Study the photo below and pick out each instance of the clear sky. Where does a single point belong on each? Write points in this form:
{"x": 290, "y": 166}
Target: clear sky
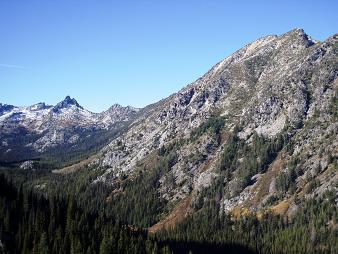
{"x": 133, "y": 52}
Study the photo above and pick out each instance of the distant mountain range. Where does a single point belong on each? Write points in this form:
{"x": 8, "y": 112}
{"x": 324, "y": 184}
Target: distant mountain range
{"x": 40, "y": 128}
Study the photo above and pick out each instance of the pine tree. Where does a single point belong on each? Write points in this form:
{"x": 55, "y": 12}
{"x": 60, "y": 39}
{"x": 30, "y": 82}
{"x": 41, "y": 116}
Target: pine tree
{"x": 43, "y": 244}
{"x": 106, "y": 246}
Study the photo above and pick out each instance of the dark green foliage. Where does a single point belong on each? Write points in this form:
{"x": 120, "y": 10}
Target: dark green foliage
{"x": 308, "y": 232}
{"x": 144, "y": 204}
{"x": 272, "y": 200}
{"x": 241, "y": 160}
{"x": 17, "y": 140}
{"x": 214, "y": 124}
{"x": 230, "y": 151}
{"x": 249, "y": 159}
{"x": 285, "y": 181}
{"x": 72, "y": 215}
{"x": 30, "y": 223}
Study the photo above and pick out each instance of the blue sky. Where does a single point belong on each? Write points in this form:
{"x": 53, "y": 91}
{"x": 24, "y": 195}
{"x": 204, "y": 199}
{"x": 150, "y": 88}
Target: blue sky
{"x": 133, "y": 52}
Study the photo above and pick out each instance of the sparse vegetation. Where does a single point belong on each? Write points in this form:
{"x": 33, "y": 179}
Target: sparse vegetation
{"x": 214, "y": 124}
{"x": 243, "y": 160}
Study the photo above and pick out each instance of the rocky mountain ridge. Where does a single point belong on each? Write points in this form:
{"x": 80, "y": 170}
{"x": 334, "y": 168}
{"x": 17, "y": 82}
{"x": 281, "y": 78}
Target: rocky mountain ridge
{"x": 46, "y": 126}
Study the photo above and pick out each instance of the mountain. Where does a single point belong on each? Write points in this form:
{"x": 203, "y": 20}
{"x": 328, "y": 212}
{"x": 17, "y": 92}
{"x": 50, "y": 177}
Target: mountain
{"x": 261, "y": 126}
{"x": 39, "y": 128}
{"x": 66, "y": 103}
{"x": 255, "y": 136}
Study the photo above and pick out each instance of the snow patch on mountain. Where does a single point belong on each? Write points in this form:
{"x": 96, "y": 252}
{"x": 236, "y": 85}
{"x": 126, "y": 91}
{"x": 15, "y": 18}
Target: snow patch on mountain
{"x": 52, "y": 122}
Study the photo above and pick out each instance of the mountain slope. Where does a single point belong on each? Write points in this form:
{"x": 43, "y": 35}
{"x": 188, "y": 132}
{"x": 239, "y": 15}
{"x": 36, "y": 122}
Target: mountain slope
{"x": 260, "y": 127}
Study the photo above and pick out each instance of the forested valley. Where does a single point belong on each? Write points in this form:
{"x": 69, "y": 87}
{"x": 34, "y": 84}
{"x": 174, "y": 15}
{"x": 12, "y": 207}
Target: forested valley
{"x": 36, "y": 222}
